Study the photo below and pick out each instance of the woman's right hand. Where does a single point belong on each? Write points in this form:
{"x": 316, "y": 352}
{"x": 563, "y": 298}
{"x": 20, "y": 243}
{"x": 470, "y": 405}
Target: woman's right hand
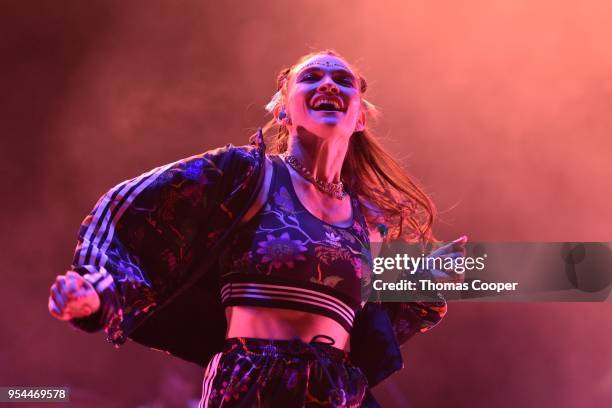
{"x": 71, "y": 296}
{"x": 452, "y": 250}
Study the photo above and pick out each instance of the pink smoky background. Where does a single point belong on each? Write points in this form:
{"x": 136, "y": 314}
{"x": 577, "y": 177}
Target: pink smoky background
{"x": 500, "y": 109}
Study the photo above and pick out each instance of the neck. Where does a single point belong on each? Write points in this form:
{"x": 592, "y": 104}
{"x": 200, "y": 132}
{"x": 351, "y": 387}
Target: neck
{"x": 323, "y": 157}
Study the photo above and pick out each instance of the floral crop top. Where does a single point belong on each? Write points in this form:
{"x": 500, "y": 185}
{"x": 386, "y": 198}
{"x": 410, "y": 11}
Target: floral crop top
{"x": 285, "y": 257}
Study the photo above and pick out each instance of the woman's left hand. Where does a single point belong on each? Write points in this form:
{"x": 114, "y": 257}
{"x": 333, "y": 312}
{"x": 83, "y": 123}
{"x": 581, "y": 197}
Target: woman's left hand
{"x": 455, "y": 249}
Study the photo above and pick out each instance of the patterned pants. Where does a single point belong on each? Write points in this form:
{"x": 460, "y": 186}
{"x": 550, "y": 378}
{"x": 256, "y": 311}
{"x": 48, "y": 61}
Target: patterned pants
{"x": 254, "y": 372}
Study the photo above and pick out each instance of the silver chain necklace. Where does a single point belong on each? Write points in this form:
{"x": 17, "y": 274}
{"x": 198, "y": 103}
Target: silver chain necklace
{"x": 335, "y": 190}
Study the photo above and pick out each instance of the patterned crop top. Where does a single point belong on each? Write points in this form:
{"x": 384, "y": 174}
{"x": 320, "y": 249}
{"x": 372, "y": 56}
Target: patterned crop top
{"x": 285, "y": 257}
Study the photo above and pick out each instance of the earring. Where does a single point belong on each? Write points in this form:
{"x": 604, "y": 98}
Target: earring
{"x": 283, "y": 118}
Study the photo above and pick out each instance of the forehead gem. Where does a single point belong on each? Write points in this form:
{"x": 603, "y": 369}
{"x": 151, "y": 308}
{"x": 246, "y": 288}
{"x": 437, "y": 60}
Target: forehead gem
{"x": 326, "y": 64}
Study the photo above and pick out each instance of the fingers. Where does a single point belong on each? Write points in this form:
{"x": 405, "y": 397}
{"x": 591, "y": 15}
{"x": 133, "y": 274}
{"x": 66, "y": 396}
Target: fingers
{"x": 452, "y": 250}
{"x": 72, "y": 296}
{"x": 54, "y": 309}
{"x": 457, "y": 245}
{"x": 454, "y": 255}
{"x": 73, "y": 274}
{"x": 442, "y": 260}
{"x": 462, "y": 239}
{"x": 73, "y": 285}
{"x": 60, "y": 282}
{"x": 57, "y": 311}
{"x": 58, "y": 298}
{"x": 63, "y": 291}
{"x": 63, "y": 285}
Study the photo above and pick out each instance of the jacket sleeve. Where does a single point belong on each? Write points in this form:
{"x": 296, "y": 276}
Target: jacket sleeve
{"x": 412, "y": 317}
{"x": 138, "y": 242}
{"x": 380, "y": 328}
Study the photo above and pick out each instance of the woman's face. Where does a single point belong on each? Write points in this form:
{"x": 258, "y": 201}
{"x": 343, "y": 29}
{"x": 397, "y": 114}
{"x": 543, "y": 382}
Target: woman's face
{"x": 323, "y": 97}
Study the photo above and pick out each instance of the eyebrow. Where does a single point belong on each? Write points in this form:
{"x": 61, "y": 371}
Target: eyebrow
{"x": 335, "y": 71}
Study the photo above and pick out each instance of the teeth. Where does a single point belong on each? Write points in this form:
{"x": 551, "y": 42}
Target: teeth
{"x": 321, "y": 101}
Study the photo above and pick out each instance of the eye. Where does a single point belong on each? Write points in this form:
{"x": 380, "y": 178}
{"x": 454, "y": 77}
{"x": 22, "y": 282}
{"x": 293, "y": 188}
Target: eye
{"x": 346, "y": 81}
{"x": 310, "y": 77}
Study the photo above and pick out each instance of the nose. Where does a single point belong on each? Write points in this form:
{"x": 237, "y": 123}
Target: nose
{"x": 328, "y": 87}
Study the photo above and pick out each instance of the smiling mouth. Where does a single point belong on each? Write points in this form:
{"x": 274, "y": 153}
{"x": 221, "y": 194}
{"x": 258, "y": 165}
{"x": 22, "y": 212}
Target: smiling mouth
{"x": 323, "y": 103}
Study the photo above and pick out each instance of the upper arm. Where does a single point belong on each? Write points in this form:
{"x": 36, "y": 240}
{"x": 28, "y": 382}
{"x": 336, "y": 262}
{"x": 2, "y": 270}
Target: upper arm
{"x": 140, "y": 238}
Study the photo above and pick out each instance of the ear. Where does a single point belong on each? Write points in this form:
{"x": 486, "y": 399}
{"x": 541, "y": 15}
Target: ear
{"x": 278, "y": 116}
{"x": 277, "y": 111}
{"x": 361, "y": 121}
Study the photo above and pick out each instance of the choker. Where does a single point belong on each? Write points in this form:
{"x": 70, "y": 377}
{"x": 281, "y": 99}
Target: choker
{"x": 335, "y": 190}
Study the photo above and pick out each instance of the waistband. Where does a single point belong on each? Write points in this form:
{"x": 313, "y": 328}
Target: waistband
{"x": 320, "y": 344}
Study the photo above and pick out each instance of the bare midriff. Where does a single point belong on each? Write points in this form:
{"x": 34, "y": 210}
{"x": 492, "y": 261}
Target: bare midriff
{"x": 282, "y": 324}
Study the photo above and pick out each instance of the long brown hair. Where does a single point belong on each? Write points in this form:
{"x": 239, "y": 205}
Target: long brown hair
{"x": 387, "y": 193}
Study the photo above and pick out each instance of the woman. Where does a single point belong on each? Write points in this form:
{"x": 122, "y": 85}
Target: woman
{"x": 288, "y": 235}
